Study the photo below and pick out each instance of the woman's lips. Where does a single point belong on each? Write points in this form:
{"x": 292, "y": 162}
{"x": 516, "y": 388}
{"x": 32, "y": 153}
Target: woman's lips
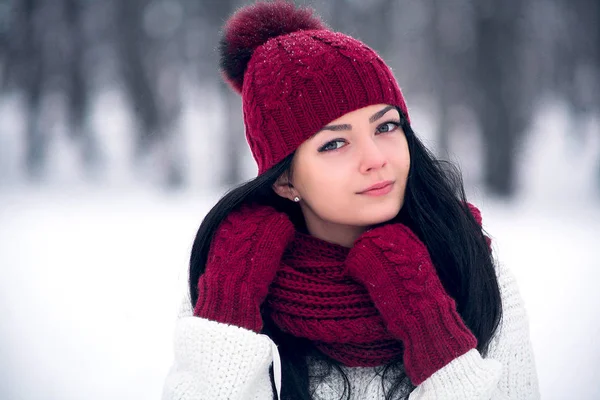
{"x": 379, "y": 191}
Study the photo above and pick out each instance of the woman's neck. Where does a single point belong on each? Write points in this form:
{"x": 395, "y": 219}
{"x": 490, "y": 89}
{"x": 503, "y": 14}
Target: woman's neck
{"x": 343, "y": 235}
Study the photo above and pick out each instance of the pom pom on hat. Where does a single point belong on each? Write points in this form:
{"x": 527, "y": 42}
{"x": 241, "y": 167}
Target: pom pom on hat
{"x": 253, "y": 26}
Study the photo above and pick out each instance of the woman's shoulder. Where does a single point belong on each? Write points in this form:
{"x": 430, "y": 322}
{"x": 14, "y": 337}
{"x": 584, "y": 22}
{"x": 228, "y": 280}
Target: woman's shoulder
{"x": 510, "y": 291}
{"x": 514, "y": 323}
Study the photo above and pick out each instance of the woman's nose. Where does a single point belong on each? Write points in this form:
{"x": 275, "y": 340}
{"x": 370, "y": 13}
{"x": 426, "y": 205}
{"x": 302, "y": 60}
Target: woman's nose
{"x": 372, "y": 157}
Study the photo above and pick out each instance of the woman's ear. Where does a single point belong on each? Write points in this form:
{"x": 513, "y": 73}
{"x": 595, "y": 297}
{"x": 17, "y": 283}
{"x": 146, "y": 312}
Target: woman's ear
{"x": 284, "y": 188}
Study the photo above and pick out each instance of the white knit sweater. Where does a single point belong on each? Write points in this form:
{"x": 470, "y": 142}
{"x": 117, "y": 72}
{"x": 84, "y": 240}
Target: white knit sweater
{"x": 215, "y": 361}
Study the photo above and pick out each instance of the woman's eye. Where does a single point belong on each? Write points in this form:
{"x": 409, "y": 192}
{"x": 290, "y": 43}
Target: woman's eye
{"x": 333, "y": 145}
{"x": 388, "y": 127}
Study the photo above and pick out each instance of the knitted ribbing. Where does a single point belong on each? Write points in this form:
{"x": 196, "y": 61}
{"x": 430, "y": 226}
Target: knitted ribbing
{"x": 313, "y": 297}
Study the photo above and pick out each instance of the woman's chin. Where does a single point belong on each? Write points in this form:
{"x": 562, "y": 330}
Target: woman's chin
{"x": 375, "y": 217}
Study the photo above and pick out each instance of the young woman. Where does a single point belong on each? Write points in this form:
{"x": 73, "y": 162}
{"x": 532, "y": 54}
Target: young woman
{"x": 352, "y": 266}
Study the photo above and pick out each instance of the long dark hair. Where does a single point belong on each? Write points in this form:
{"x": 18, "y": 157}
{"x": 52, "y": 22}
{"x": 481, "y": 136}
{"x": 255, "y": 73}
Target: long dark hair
{"x": 435, "y": 209}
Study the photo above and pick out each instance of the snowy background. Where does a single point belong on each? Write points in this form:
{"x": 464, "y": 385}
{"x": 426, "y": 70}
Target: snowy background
{"x": 91, "y": 277}
{"x": 99, "y": 204}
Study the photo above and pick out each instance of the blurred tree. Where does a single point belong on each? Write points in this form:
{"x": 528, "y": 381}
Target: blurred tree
{"x": 78, "y": 93}
{"x": 578, "y": 49}
{"x": 26, "y": 70}
{"x": 152, "y": 89}
{"x": 5, "y": 20}
{"x": 499, "y": 102}
{"x": 133, "y": 50}
{"x": 577, "y": 76}
{"x": 443, "y": 66}
{"x": 213, "y": 13}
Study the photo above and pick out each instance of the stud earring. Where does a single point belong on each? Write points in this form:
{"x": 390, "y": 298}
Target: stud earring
{"x": 296, "y": 199}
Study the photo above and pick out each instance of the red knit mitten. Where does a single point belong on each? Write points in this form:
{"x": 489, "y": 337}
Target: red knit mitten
{"x": 477, "y": 215}
{"x": 243, "y": 259}
{"x": 395, "y": 268}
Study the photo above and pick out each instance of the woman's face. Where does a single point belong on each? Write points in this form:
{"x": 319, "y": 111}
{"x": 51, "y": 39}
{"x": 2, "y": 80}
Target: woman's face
{"x": 332, "y": 170}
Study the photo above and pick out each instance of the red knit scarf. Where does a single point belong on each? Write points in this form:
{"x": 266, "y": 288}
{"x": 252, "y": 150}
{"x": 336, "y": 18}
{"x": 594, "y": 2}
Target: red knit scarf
{"x": 313, "y": 298}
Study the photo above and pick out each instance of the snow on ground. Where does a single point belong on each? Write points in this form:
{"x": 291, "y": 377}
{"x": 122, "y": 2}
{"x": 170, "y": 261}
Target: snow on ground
{"x": 90, "y": 282}
{"x": 89, "y": 286}
{"x": 554, "y": 258}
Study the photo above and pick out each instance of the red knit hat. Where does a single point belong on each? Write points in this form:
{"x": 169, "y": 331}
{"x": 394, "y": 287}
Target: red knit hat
{"x": 295, "y": 76}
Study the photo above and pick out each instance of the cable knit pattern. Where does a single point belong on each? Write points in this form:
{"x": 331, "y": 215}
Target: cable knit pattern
{"x": 395, "y": 267}
{"x": 242, "y": 358}
{"x": 313, "y": 297}
{"x": 242, "y": 262}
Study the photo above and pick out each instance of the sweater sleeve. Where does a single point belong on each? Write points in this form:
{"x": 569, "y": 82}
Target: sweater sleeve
{"x": 507, "y": 373}
{"x": 217, "y": 361}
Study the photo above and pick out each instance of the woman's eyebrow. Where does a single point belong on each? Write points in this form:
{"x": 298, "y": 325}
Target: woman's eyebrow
{"x": 347, "y": 127}
{"x": 380, "y": 114}
{"x": 342, "y": 127}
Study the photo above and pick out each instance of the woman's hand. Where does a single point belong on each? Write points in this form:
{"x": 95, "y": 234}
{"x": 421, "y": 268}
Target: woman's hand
{"x": 397, "y": 271}
{"x": 244, "y": 257}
